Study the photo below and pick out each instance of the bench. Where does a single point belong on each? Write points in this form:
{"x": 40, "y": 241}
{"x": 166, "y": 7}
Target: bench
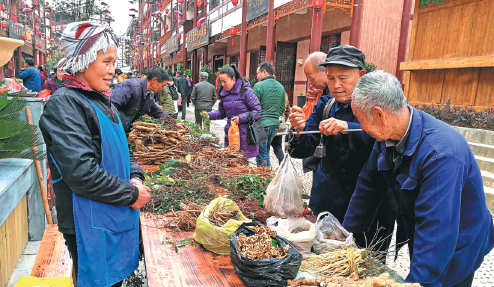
{"x": 53, "y": 258}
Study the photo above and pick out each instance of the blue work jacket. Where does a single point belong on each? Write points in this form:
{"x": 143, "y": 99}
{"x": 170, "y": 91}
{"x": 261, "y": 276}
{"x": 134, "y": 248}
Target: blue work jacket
{"x": 440, "y": 194}
{"x": 32, "y": 79}
{"x": 336, "y": 176}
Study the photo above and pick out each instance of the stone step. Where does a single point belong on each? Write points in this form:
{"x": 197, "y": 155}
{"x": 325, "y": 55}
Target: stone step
{"x": 488, "y": 178}
{"x": 477, "y": 135}
{"x": 484, "y": 150}
{"x": 485, "y": 163}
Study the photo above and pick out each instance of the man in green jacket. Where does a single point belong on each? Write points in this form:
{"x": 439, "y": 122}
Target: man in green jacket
{"x": 271, "y": 94}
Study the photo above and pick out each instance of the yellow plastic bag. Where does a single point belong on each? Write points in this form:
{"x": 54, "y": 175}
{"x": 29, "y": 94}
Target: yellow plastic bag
{"x": 29, "y": 281}
{"x": 213, "y": 238}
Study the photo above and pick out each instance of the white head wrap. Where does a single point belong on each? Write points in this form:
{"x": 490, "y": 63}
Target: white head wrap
{"x": 81, "y": 42}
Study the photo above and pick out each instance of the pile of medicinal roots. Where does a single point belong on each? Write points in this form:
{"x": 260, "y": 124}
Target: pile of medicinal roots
{"x": 342, "y": 262}
{"x": 220, "y": 215}
{"x": 351, "y": 281}
{"x": 155, "y": 145}
{"x": 185, "y": 219}
{"x": 260, "y": 245}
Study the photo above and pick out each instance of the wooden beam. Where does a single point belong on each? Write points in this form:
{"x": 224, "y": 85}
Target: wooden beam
{"x": 453, "y": 63}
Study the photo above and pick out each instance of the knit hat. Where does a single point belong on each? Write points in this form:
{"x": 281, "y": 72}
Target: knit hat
{"x": 81, "y": 42}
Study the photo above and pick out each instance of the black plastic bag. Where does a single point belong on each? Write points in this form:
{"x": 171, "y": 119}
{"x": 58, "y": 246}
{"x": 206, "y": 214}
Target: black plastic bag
{"x": 265, "y": 272}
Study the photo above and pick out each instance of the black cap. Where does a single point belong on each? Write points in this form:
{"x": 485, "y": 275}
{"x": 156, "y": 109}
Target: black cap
{"x": 118, "y": 71}
{"x": 345, "y": 55}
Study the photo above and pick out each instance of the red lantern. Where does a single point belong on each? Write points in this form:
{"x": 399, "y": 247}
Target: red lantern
{"x": 180, "y": 2}
{"x": 179, "y": 54}
{"x": 2, "y": 7}
{"x": 199, "y": 3}
{"x": 234, "y": 2}
{"x": 233, "y": 32}
{"x": 179, "y": 18}
{"x": 317, "y": 4}
{"x": 23, "y": 5}
{"x": 156, "y": 55}
{"x": 166, "y": 27}
{"x": 166, "y": 11}
{"x": 48, "y": 15}
{"x": 39, "y": 20}
{"x": 24, "y": 37}
{"x": 4, "y": 25}
{"x": 179, "y": 36}
{"x": 198, "y": 25}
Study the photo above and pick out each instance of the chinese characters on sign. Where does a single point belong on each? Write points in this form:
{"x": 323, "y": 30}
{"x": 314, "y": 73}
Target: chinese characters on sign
{"x": 256, "y": 8}
{"x": 197, "y": 38}
{"x": 172, "y": 45}
{"x": 15, "y": 32}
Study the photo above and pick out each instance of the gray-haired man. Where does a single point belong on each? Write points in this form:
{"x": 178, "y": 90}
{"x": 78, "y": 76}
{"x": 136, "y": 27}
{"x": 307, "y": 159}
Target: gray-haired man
{"x": 203, "y": 97}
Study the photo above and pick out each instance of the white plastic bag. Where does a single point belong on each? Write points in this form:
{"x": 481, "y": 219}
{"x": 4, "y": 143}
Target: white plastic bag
{"x": 284, "y": 193}
{"x": 290, "y": 229}
{"x": 329, "y": 226}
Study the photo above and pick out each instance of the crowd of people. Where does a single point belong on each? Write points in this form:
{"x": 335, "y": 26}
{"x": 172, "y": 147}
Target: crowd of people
{"x": 383, "y": 161}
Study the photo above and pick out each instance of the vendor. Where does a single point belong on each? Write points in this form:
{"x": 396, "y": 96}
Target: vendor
{"x": 98, "y": 185}
{"x": 135, "y": 97}
{"x": 435, "y": 177}
{"x": 346, "y": 152}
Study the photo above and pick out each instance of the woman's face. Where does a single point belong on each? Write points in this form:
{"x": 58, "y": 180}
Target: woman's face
{"x": 99, "y": 74}
{"x": 226, "y": 82}
{"x": 59, "y": 74}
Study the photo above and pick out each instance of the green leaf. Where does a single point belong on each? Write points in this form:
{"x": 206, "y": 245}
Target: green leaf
{"x": 173, "y": 163}
{"x": 274, "y": 242}
{"x": 260, "y": 202}
{"x": 186, "y": 240}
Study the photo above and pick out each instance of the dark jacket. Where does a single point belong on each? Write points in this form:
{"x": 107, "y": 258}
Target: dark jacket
{"x": 271, "y": 94}
{"x": 51, "y": 85}
{"x": 346, "y": 154}
{"x": 440, "y": 192}
{"x": 71, "y": 132}
{"x": 183, "y": 86}
{"x": 32, "y": 79}
{"x": 203, "y": 96}
{"x": 236, "y": 103}
{"x": 133, "y": 101}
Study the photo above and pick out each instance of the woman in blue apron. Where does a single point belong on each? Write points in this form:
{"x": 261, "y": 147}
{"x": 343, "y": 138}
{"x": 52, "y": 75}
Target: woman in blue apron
{"x": 98, "y": 186}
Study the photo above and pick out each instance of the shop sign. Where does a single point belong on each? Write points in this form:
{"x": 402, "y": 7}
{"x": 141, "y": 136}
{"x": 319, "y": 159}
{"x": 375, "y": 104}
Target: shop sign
{"x": 38, "y": 41}
{"x": 256, "y": 8}
{"x": 15, "y": 32}
{"x": 29, "y": 35}
{"x": 197, "y": 38}
{"x": 172, "y": 45}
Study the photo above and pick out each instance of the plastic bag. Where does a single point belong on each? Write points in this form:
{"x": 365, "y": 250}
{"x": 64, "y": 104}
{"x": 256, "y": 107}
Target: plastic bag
{"x": 234, "y": 136}
{"x": 299, "y": 231}
{"x": 29, "y": 281}
{"x": 265, "y": 272}
{"x": 213, "y": 238}
{"x": 43, "y": 94}
{"x": 284, "y": 193}
{"x": 308, "y": 108}
{"x": 329, "y": 226}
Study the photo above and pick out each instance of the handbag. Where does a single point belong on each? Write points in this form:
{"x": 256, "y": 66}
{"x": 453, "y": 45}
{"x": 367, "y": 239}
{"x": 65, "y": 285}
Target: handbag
{"x": 255, "y": 131}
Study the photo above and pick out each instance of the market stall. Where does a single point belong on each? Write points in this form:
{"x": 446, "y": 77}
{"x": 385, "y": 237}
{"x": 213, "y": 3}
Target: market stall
{"x": 213, "y": 220}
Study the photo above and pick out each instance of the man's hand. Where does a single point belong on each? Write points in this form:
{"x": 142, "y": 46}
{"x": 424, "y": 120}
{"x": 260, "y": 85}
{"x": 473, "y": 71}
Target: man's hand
{"x": 143, "y": 198}
{"x": 182, "y": 126}
{"x": 297, "y": 119}
{"x": 332, "y": 127}
{"x": 135, "y": 182}
{"x": 313, "y": 93}
{"x": 236, "y": 119}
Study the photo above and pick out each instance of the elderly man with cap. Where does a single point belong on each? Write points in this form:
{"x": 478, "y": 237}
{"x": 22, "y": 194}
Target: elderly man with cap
{"x": 345, "y": 152}
{"x": 203, "y": 97}
{"x": 436, "y": 180}
{"x": 98, "y": 185}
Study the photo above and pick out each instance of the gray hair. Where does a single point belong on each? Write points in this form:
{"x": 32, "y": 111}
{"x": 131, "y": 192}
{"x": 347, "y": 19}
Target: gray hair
{"x": 379, "y": 89}
{"x": 315, "y": 59}
{"x": 204, "y": 75}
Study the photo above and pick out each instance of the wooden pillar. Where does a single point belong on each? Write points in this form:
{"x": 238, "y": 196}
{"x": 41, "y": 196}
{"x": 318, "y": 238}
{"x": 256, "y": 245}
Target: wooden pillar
{"x": 316, "y": 31}
{"x": 402, "y": 48}
{"x": 184, "y": 46}
{"x": 19, "y": 58}
{"x": 356, "y": 23}
{"x": 243, "y": 41}
{"x": 270, "y": 33}
{"x": 35, "y": 56}
{"x": 194, "y": 54}
{"x": 205, "y": 52}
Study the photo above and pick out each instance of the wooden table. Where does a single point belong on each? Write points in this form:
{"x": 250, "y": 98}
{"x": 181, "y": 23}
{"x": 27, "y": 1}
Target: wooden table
{"x": 192, "y": 265}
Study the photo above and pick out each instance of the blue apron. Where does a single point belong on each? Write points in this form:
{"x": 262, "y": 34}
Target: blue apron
{"x": 107, "y": 236}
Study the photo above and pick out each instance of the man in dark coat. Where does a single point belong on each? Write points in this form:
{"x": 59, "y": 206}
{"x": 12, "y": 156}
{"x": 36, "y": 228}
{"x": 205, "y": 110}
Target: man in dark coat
{"x": 183, "y": 88}
{"x": 346, "y": 152}
{"x": 135, "y": 97}
{"x": 437, "y": 182}
{"x": 203, "y": 97}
